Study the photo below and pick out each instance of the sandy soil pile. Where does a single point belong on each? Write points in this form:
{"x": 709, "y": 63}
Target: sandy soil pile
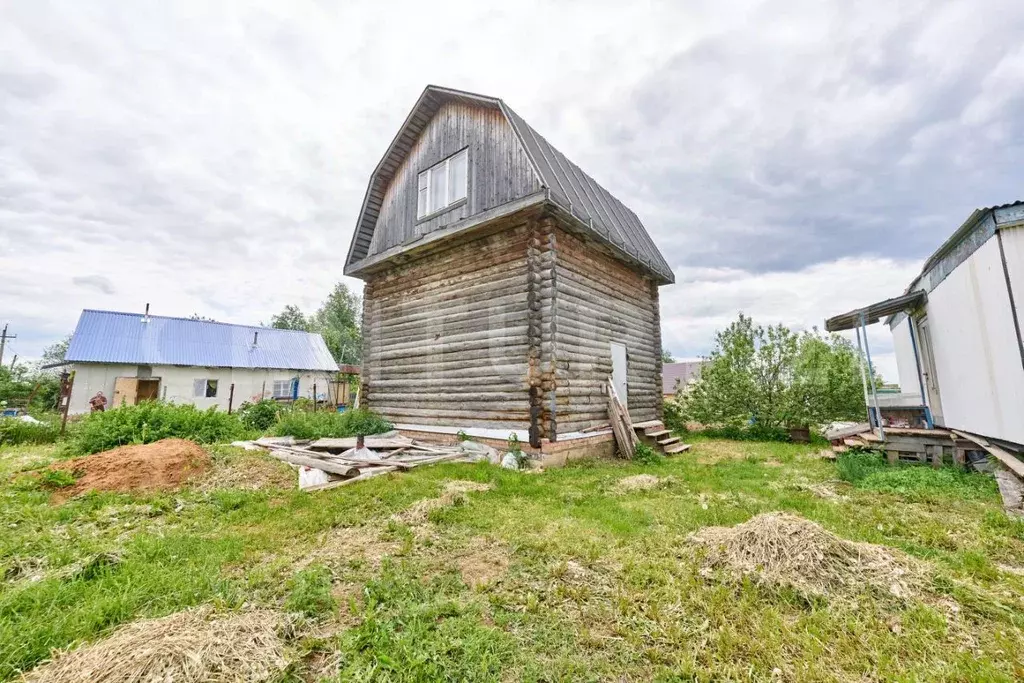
{"x": 186, "y": 647}
{"x": 784, "y": 549}
{"x": 161, "y": 465}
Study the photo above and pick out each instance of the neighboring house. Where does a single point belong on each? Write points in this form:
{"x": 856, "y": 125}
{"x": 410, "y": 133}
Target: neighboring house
{"x": 503, "y": 284}
{"x": 957, "y": 330}
{"x": 676, "y": 376}
{"x": 133, "y": 357}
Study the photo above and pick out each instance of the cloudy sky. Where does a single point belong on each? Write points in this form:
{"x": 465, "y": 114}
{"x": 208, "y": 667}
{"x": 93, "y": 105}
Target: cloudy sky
{"x": 792, "y": 159}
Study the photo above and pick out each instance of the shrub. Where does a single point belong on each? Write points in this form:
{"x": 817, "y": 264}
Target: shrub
{"x": 754, "y": 432}
{"x": 14, "y": 432}
{"x": 855, "y": 466}
{"x": 673, "y": 416}
{"x": 645, "y": 455}
{"x": 259, "y": 416}
{"x": 151, "y": 421}
{"x": 303, "y": 425}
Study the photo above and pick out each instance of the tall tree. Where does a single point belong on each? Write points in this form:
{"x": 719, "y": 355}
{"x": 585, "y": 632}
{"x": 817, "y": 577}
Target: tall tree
{"x": 338, "y": 321}
{"x": 666, "y": 356}
{"x": 291, "y": 318}
{"x": 55, "y": 352}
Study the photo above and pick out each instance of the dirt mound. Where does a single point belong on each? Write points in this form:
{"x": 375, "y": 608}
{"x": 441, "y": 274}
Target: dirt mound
{"x": 783, "y": 549}
{"x": 640, "y": 482}
{"x": 454, "y": 493}
{"x": 156, "y": 466}
{"x": 186, "y": 647}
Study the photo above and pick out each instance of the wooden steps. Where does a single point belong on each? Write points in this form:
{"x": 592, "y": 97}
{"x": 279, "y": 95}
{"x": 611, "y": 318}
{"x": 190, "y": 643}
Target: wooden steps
{"x": 654, "y": 433}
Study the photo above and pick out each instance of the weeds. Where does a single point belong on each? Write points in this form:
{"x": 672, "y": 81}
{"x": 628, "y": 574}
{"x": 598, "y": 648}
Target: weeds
{"x": 14, "y": 432}
{"x": 309, "y": 592}
{"x": 259, "y": 416}
{"x": 303, "y": 425}
{"x": 151, "y": 421}
{"x": 645, "y": 455}
{"x": 869, "y": 471}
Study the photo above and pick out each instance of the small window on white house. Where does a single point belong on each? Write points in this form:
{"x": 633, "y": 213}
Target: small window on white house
{"x": 442, "y": 185}
{"x": 204, "y": 388}
{"x": 283, "y": 388}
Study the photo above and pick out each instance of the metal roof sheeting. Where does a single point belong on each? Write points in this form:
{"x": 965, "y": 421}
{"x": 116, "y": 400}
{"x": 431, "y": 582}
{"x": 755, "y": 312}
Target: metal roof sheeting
{"x": 569, "y": 187}
{"x": 875, "y": 312}
{"x": 112, "y": 337}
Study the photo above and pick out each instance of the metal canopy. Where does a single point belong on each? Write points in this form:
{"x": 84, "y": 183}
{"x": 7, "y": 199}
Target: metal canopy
{"x": 875, "y": 312}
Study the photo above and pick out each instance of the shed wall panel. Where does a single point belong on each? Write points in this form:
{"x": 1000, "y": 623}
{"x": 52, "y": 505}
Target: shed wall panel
{"x": 977, "y": 359}
{"x": 906, "y": 362}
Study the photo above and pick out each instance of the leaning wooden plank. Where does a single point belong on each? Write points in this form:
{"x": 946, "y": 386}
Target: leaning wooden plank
{"x": 843, "y": 432}
{"x": 315, "y": 463}
{"x": 373, "y": 442}
{"x": 1013, "y": 463}
{"x": 345, "y": 482}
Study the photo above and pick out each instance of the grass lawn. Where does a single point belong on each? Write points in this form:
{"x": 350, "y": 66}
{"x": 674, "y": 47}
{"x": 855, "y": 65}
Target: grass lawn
{"x": 541, "y": 577}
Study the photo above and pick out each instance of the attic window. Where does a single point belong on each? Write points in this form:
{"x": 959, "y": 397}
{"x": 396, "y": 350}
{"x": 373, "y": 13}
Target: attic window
{"x": 442, "y": 185}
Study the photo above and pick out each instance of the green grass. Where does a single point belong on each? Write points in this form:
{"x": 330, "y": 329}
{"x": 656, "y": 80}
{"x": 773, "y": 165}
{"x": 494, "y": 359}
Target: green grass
{"x": 587, "y": 583}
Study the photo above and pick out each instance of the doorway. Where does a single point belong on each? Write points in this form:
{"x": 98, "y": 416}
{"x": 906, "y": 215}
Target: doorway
{"x": 619, "y": 372}
{"x": 131, "y": 390}
{"x": 928, "y": 374}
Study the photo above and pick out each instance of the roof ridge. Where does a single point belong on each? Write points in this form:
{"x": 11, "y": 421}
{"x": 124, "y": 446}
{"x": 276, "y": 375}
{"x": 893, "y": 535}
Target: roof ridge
{"x": 193, "y": 320}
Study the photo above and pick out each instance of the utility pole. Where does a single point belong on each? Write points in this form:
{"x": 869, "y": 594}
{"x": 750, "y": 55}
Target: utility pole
{"x": 3, "y": 342}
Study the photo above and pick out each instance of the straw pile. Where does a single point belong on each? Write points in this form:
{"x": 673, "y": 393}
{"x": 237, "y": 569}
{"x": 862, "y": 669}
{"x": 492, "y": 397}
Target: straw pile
{"x": 639, "y": 482}
{"x": 454, "y": 493}
{"x": 786, "y": 550}
{"x": 187, "y": 647}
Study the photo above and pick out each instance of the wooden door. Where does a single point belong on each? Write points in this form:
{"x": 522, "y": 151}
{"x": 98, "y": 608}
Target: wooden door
{"x": 619, "y": 373}
{"x": 126, "y": 391}
{"x": 149, "y": 390}
{"x": 931, "y": 379}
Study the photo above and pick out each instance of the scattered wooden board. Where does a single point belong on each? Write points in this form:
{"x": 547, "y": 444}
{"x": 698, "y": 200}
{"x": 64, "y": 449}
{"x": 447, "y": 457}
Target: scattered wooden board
{"x": 1012, "y": 463}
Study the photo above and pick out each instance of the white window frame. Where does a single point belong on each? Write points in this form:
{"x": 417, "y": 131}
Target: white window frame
{"x": 289, "y": 383}
{"x": 201, "y": 387}
{"x": 453, "y": 196}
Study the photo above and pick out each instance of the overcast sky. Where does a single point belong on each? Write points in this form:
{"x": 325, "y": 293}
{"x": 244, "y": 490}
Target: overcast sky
{"x": 792, "y": 159}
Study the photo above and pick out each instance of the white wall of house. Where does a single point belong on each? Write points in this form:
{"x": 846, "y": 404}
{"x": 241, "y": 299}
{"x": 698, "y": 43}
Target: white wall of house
{"x": 177, "y": 383}
{"x": 906, "y": 363}
{"x": 977, "y": 358}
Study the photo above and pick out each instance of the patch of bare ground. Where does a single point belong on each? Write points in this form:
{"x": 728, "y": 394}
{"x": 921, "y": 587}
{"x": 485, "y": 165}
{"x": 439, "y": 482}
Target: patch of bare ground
{"x": 187, "y": 647}
{"x": 484, "y": 562}
{"x": 248, "y": 472}
{"x": 639, "y": 482}
{"x": 345, "y": 544}
{"x": 158, "y": 466}
{"x": 711, "y": 452}
{"x": 453, "y": 493}
{"x": 786, "y": 550}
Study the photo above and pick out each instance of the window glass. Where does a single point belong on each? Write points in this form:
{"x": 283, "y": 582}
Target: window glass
{"x": 457, "y": 176}
{"x": 438, "y": 188}
{"x": 282, "y": 388}
{"x": 199, "y": 388}
{"x": 421, "y": 197}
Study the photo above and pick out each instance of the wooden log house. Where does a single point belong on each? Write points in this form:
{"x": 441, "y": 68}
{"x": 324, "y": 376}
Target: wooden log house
{"x": 503, "y": 284}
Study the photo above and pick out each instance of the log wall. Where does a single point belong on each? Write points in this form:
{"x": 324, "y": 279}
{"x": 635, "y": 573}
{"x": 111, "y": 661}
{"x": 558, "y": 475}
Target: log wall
{"x": 446, "y": 338}
{"x": 598, "y": 300}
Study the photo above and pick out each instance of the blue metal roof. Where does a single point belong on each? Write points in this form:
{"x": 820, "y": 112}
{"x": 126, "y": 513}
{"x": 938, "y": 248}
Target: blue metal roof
{"x": 110, "y": 337}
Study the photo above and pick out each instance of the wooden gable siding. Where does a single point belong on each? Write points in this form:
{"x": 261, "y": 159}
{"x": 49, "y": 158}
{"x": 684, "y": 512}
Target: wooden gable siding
{"x": 445, "y": 335}
{"x": 598, "y": 300}
{"x": 499, "y": 171}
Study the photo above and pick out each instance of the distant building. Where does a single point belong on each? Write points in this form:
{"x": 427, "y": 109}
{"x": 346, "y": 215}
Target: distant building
{"x": 957, "y": 329}
{"x": 676, "y": 376}
{"x": 132, "y": 357}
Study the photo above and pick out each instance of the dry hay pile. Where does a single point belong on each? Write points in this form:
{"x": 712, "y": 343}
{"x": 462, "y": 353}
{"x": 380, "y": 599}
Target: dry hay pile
{"x": 248, "y": 472}
{"x": 484, "y": 562}
{"x": 187, "y": 647}
{"x": 345, "y": 544}
{"x": 453, "y": 493}
{"x": 783, "y": 549}
{"x": 161, "y": 465}
{"x": 639, "y": 482}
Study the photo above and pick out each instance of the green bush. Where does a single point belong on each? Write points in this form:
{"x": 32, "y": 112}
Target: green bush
{"x": 303, "y": 425}
{"x": 14, "y": 432}
{"x": 259, "y": 416}
{"x": 645, "y": 455}
{"x": 754, "y": 432}
{"x": 151, "y": 421}
{"x": 673, "y": 416}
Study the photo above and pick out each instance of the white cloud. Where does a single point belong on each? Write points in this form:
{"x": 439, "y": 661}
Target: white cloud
{"x": 212, "y": 157}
